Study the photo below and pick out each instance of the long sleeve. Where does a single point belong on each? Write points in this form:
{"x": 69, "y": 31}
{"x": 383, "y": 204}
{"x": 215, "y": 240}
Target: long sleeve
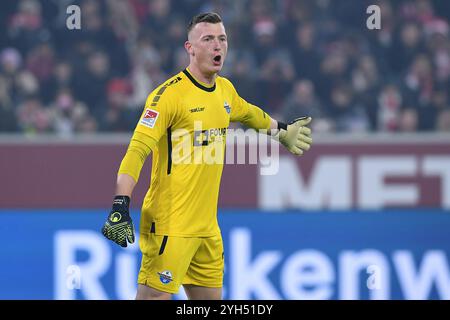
{"x": 138, "y": 150}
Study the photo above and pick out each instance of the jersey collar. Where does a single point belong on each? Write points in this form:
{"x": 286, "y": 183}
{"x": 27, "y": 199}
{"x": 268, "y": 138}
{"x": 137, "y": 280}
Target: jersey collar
{"x": 198, "y": 84}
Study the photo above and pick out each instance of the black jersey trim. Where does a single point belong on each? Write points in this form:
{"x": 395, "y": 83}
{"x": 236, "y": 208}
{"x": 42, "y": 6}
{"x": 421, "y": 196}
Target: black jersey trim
{"x": 198, "y": 84}
{"x": 169, "y": 150}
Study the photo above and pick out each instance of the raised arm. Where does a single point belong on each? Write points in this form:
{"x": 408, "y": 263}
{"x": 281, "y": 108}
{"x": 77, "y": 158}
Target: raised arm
{"x": 295, "y": 136}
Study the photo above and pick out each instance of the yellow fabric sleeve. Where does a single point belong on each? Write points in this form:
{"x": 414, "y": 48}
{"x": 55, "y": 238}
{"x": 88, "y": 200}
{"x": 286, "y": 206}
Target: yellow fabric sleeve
{"x": 138, "y": 150}
{"x": 256, "y": 118}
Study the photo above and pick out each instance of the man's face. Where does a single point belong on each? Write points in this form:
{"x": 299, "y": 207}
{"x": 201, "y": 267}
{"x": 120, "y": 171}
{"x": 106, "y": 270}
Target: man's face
{"x": 207, "y": 46}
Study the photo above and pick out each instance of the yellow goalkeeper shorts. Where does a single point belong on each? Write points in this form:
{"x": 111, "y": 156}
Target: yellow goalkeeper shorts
{"x": 168, "y": 262}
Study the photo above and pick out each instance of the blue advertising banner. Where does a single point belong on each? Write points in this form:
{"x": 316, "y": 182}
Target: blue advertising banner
{"x": 61, "y": 254}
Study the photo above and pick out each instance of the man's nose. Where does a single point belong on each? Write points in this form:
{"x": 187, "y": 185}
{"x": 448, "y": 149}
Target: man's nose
{"x": 216, "y": 44}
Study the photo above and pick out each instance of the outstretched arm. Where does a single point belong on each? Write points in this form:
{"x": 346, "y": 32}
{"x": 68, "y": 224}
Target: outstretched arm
{"x": 295, "y": 136}
{"x": 273, "y": 124}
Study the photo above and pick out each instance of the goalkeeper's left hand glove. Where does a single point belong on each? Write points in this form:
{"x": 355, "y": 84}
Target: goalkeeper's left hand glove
{"x": 295, "y": 136}
{"x": 119, "y": 226}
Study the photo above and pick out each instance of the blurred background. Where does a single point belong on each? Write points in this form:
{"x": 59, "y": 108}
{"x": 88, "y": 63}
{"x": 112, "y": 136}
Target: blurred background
{"x": 363, "y": 215}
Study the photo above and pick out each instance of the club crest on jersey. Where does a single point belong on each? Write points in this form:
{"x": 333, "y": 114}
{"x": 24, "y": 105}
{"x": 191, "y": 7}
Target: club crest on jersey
{"x": 227, "y": 107}
{"x": 150, "y": 117}
{"x": 165, "y": 277}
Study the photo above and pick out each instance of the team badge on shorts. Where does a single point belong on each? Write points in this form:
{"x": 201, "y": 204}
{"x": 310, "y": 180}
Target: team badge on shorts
{"x": 150, "y": 117}
{"x": 165, "y": 276}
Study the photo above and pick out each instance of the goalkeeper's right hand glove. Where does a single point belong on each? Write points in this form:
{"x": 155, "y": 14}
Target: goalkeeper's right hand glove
{"x": 119, "y": 226}
{"x": 295, "y": 136}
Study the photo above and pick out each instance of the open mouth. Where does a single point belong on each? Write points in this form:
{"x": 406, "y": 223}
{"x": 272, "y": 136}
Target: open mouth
{"x": 217, "y": 59}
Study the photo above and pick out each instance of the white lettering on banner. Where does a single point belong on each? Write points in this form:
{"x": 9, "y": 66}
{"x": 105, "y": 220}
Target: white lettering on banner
{"x": 440, "y": 166}
{"x": 374, "y": 193}
{"x": 249, "y": 277}
{"x": 302, "y": 274}
{"x": 329, "y": 185}
{"x": 352, "y": 264}
{"x": 307, "y": 275}
{"x": 417, "y": 284}
{"x": 67, "y": 243}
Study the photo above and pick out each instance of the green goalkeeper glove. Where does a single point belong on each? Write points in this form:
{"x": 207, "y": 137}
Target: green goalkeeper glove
{"x": 295, "y": 136}
{"x": 119, "y": 226}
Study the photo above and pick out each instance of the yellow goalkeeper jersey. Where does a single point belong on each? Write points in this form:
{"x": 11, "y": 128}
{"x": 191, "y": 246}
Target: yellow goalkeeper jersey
{"x": 189, "y": 121}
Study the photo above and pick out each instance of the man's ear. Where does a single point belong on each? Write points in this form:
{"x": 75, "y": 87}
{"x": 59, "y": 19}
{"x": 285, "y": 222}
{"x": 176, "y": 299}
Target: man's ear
{"x": 189, "y": 49}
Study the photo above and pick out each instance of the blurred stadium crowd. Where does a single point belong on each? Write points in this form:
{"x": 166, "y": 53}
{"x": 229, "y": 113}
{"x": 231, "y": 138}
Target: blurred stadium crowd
{"x": 291, "y": 57}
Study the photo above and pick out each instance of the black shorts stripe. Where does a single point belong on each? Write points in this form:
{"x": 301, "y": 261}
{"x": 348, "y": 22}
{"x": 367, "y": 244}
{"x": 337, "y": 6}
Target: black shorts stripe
{"x": 153, "y": 228}
{"x": 163, "y": 245}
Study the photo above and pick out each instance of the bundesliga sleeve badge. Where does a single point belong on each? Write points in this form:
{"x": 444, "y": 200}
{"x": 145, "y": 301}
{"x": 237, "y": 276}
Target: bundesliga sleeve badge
{"x": 150, "y": 117}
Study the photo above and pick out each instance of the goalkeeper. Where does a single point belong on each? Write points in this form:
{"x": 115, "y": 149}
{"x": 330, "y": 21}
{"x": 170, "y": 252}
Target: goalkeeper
{"x": 180, "y": 238}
